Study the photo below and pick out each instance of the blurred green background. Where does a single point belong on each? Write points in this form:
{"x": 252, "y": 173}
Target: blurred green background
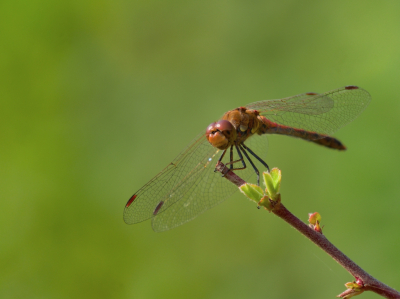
{"x": 98, "y": 96}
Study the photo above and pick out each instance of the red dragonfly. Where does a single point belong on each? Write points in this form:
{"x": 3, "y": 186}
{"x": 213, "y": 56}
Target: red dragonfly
{"x": 188, "y": 186}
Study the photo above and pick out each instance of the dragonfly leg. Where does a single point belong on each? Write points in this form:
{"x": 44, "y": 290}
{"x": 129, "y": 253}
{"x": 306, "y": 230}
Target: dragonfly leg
{"x": 257, "y": 157}
{"x": 231, "y": 158}
{"x": 252, "y": 164}
{"x": 220, "y": 159}
{"x": 240, "y": 160}
{"x": 231, "y": 162}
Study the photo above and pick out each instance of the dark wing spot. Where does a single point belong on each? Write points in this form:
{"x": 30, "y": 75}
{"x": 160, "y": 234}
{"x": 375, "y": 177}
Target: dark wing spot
{"x": 351, "y": 87}
{"x": 311, "y": 93}
{"x": 130, "y": 201}
{"x": 158, "y": 207}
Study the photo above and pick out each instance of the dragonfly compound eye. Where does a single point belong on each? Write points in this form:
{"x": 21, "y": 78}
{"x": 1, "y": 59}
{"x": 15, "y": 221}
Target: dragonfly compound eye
{"x": 220, "y": 134}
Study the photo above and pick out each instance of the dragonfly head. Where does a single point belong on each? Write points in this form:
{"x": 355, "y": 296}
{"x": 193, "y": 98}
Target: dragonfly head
{"x": 221, "y": 134}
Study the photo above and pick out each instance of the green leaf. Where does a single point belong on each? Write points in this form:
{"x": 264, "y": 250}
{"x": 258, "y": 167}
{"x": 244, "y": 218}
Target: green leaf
{"x": 276, "y": 175}
{"x": 272, "y": 182}
{"x": 252, "y": 191}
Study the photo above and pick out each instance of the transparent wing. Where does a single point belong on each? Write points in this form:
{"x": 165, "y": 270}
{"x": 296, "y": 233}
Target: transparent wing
{"x": 208, "y": 188}
{"x": 188, "y": 186}
{"x": 323, "y": 113}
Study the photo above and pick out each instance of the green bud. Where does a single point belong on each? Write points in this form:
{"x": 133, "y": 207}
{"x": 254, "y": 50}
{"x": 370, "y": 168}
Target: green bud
{"x": 313, "y": 218}
{"x": 266, "y": 203}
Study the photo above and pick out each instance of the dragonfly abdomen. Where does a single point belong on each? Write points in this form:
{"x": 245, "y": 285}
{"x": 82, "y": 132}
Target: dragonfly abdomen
{"x": 269, "y": 127}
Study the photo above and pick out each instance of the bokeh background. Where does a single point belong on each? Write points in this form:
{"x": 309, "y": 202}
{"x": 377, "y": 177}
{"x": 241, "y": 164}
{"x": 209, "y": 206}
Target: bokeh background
{"x": 98, "y": 96}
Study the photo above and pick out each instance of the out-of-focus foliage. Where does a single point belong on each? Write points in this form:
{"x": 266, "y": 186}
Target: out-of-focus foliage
{"x": 98, "y": 96}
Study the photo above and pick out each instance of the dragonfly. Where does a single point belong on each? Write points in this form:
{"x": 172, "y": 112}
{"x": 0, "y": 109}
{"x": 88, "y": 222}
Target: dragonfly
{"x": 189, "y": 186}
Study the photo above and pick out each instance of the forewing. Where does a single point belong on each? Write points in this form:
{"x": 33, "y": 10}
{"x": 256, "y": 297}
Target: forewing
{"x": 322, "y": 113}
{"x": 207, "y": 188}
{"x": 188, "y": 186}
{"x": 164, "y": 186}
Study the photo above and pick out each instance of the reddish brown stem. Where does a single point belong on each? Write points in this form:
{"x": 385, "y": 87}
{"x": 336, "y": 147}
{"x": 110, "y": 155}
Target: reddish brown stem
{"x": 369, "y": 283}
